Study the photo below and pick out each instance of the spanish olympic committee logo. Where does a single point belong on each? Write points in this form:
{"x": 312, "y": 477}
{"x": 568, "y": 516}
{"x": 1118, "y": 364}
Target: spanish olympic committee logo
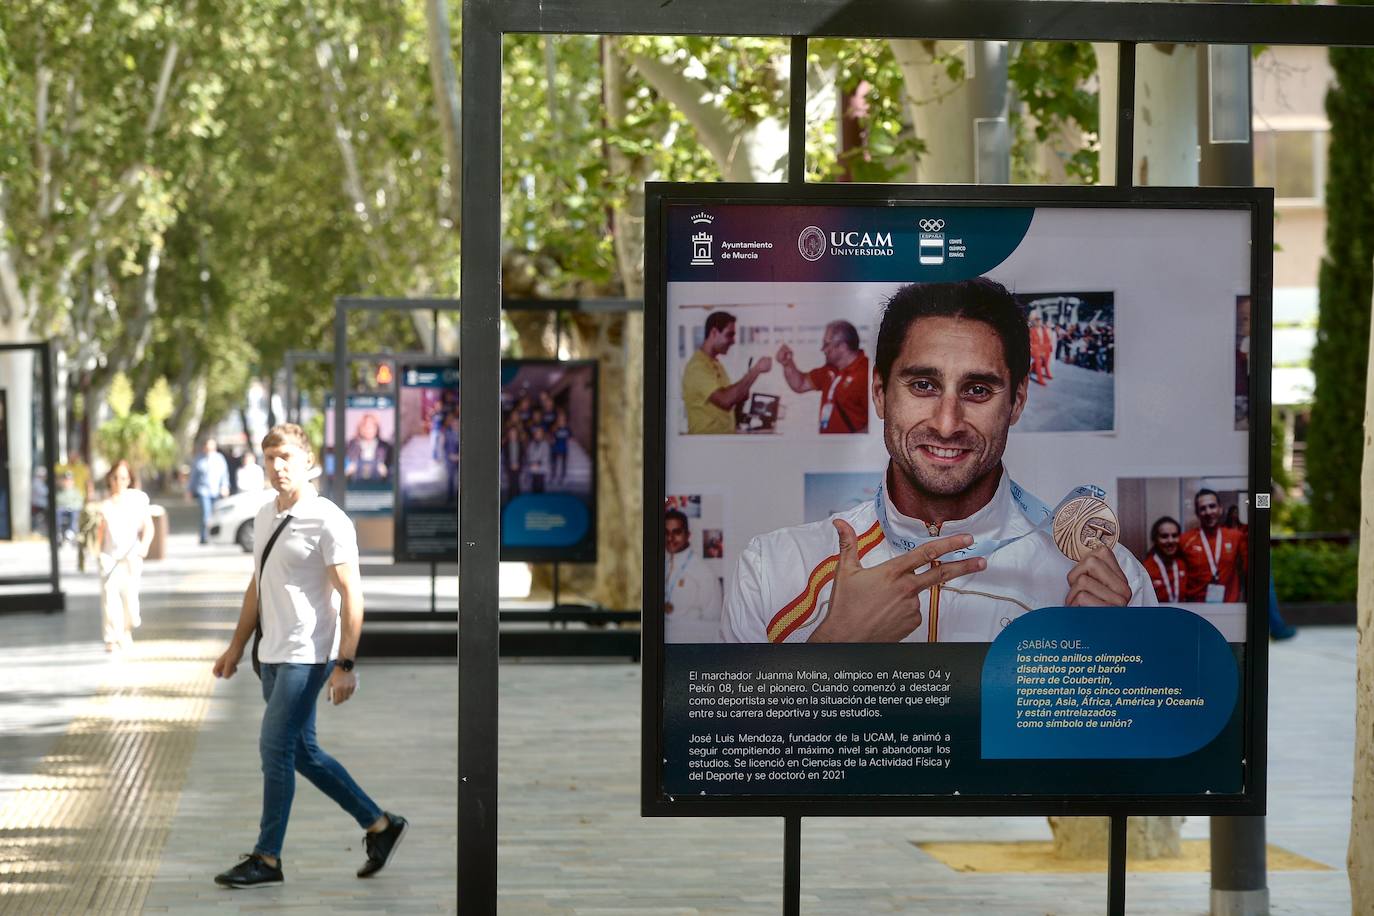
{"x": 930, "y": 242}
{"x": 811, "y": 243}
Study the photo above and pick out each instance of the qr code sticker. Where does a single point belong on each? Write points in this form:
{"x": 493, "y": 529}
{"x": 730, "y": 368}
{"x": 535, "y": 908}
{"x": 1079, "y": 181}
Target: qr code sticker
{"x": 1261, "y": 500}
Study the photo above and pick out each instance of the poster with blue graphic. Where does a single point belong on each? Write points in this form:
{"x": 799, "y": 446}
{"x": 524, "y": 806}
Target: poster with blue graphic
{"x": 369, "y": 453}
{"x": 990, "y": 529}
{"x": 548, "y": 460}
{"x": 427, "y": 459}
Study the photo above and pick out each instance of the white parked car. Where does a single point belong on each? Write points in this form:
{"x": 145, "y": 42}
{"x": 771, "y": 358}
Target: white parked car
{"x": 231, "y": 521}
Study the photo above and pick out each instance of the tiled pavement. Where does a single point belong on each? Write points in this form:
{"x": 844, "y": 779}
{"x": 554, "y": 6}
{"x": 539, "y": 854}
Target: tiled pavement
{"x": 571, "y": 839}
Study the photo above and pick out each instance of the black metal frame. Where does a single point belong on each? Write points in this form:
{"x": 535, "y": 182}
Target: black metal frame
{"x": 484, "y": 24}
{"x": 1258, "y": 202}
{"x": 54, "y": 599}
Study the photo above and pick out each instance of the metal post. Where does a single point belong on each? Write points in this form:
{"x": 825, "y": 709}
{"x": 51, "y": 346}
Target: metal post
{"x": 1239, "y": 886}
{"x": 1239, "y": 880}
{"x": 1116, "y": 868}
{"x": 480, "y": 482}
{"x": 341, "y": 373}
{"x": 49, "y": 422}
{"x": 791, "y": 865}
{"x": 796, "y": 113}
{"x": 1125, "y": 115}
{"x": 433, "y": 587}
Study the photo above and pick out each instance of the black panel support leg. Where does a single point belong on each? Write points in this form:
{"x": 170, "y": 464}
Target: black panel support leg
{"x": 1116, "y": 868}
{"x": 791, "y": 866}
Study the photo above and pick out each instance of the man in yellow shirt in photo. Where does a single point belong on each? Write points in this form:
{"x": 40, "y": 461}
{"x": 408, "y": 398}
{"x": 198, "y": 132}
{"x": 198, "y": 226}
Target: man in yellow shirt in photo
{"x": 707, "y": 392}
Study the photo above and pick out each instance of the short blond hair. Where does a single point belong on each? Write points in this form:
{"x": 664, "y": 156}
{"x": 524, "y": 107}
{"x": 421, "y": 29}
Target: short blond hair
{"x": 288, "y": 434}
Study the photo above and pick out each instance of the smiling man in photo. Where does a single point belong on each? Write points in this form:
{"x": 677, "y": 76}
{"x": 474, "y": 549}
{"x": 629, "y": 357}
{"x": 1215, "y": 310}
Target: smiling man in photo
{"x": 951, "y": 549}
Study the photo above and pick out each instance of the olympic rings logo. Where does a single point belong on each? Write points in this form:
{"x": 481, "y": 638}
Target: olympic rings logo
{"x": 931, "y": 225}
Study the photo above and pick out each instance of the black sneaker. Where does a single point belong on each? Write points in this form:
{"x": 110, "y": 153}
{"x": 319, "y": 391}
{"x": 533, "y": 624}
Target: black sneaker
{"x": 382, "y": 844}
{"x": 251, "y": 871}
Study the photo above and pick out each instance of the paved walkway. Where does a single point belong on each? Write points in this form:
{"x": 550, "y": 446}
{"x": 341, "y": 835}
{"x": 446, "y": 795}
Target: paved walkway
{"x": 127, "y": 783}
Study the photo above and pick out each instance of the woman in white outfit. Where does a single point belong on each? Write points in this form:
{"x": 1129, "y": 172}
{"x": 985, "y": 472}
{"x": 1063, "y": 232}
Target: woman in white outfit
{"x": 126, "y": 531}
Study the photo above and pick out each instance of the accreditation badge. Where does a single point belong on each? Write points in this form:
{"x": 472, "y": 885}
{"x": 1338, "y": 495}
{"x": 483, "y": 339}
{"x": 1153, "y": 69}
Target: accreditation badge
{"x": 1216, "y": 593}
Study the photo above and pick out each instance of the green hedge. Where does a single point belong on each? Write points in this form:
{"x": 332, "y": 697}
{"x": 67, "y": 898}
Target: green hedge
{"x": 1316, "y": 571}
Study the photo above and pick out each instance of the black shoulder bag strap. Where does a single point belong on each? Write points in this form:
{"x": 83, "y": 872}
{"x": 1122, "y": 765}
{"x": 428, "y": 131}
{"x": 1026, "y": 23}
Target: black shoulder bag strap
{"x": 262, "y": 564}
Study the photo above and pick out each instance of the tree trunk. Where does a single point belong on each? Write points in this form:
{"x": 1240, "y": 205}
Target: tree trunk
{"x": 1155, "y": 837}
{"x": 1165, "y": 154}
{"x": 949, "y": 113}
{"x": 1166, "y": 147}
{"x": 1108, "y": 56}
{"x": 1360, "y": 855}
{"x": 446, "y": 104}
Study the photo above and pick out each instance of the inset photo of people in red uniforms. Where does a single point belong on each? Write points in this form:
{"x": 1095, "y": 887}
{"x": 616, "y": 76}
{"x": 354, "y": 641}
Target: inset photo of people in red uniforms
{"x": 842, "y": 379}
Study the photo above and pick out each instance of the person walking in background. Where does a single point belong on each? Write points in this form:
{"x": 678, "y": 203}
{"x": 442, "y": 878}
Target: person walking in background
{"x": 308, "y": 599}
{"x": 125, "y": 533}
{"x": 248, "y": 477}
{"x": 209, "y": 483}
{"x": 70, "y": 501}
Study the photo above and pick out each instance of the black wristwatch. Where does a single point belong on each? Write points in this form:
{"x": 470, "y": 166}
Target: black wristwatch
{"x": 345, "y": 664}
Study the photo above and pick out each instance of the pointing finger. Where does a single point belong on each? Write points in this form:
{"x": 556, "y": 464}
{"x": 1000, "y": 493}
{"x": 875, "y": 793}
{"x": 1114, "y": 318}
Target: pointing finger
{"x": 943, "y": 572}
{"x": 931, "y": 550}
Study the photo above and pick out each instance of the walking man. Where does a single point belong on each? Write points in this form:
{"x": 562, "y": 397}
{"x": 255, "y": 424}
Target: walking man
{"x": 209, "y": 483}
{"x": 306, "y": 553}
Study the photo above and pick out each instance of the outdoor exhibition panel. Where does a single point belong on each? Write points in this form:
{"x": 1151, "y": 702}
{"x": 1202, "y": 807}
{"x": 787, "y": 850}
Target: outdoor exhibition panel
{"x": 427, "y": 422}
{"x": 38, "y": 508}
{"x": 1063, "y": 376}
{"x": 369, "y": 465}
{"x": 548, "y": 460}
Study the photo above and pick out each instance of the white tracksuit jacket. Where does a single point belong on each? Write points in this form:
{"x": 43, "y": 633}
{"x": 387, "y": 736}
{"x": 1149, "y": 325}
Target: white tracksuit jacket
{"x": 694, "y": 593}
{"x": 780, "y": 590}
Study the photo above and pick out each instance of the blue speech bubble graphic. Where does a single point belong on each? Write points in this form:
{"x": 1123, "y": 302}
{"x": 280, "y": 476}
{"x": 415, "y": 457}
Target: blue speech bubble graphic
{"x": 1106, "y": 683}
{"x": 544, "y": 520}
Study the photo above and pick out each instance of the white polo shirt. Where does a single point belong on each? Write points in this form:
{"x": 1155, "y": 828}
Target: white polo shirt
{"x": 300, "y": 608}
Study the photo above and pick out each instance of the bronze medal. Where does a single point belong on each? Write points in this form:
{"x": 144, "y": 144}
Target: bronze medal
{"x": 1083, "y": 525}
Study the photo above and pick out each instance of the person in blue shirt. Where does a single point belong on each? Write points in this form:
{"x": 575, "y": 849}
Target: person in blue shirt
{"x": 209, "y": 483}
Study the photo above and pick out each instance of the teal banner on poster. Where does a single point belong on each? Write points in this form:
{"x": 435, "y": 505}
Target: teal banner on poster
{"x": 1103, "y": 683}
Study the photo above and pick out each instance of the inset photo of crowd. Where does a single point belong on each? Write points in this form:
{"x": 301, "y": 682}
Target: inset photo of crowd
{"x": 1073, "y": 362}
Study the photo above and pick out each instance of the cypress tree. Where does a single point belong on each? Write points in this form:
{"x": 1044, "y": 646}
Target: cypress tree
{"x": 1340, "y": 358}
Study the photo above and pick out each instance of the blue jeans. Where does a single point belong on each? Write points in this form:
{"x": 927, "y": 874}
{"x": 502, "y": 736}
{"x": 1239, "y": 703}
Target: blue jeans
{"x": 287, "y": 744}
{"x": 207, "y": 505}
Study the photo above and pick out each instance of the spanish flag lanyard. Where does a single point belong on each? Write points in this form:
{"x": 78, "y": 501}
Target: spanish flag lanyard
{"x": 1170, "y": 587}
{"x": 1036, "y": 511}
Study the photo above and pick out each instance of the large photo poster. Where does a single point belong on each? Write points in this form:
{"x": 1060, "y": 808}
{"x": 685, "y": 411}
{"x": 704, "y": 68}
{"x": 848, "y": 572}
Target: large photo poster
{"x": 427, "y": 459}
{"x": 987, "y": 499}
{"x": 548, "y": 460}
{"x": 369, "y": 452}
